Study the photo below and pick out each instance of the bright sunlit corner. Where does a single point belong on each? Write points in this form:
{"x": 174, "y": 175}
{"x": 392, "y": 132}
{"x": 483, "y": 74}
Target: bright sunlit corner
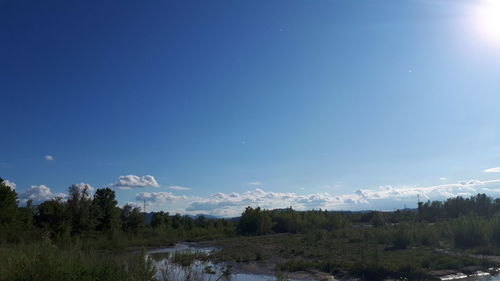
{"x": 487, "y": 20}
{"x": 249, "y": 140}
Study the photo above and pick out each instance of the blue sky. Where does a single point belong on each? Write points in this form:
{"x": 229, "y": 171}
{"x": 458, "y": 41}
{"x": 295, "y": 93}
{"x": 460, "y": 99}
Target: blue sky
{"x": 308, "y": 103}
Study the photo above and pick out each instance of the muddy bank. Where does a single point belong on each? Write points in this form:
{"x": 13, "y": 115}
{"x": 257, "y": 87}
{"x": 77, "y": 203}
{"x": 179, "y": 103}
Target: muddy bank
{"x": 245, "y": 271}
{"x": 265, "y": 254}
{"x": 268, "y": 265}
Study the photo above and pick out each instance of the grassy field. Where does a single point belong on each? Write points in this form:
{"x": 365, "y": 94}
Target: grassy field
{"x": 47, "y": 262}
{"x": 366, "y": 253}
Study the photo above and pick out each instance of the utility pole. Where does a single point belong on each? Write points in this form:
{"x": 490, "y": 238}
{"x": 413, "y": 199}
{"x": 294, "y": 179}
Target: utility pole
{"x": 419, "y": 203}
{"x": 145, "y": 214}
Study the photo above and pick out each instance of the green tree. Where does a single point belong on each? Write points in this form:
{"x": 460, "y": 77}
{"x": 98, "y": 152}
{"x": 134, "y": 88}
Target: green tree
{"x": 54, "y": 217}
{"x": 8, "y": 203}
{"x": 187, "y": 222}
{"x": 248, "y": 222}
{"x": 265, "y": 223}
{"x": 176, "y": 221}
{"x": 79, "y": 206}
{"x": 495, "y": 232}
{"x": 483, "y": 204}
{"x": 469, "y": 232}
{"x": 201, "y": 221}
{"x": 160, "y": 220}
{"x": 133, "y": 220}
{"x": 104, "y": 207}
{"x": 255, "y": 221}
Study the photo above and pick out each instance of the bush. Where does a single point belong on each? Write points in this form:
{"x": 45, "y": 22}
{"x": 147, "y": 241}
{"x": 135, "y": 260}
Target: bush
{"x": 401, "y": 239}
{"x": 495, "y": 232}
{"x": 470, "y": 232}
{"x": 44, "y": 261}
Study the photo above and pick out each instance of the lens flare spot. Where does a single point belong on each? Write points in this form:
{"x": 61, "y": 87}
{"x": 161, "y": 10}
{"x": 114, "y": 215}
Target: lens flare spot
{"x": 487, "y": 20}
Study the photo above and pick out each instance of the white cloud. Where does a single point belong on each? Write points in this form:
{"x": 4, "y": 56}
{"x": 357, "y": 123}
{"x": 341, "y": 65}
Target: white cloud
{"x": 10, "y": 184}
{"x": 255, "y": 183}
{"x": 81, "y": 186}
{"x": 492, "y": 170}
{"x": 176, "y": 187}
{"x": 131, "y": 181}
{"x": 49, "y": 157}
{"x": 39, "y": 193}
{"x": 443, "y": 179}
{"x": 158, "y": 197}
{"x": 232, "y": 204}
{"x": 381, "y": 198}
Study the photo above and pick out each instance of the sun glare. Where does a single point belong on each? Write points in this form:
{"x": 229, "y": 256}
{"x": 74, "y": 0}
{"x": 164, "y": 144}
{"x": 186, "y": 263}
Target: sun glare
{"x": 487, "y": 20}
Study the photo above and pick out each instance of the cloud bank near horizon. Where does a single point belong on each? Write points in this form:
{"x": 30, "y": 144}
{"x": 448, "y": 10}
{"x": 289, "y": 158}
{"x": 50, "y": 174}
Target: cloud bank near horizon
{"x": 492, "y": 170}
{"x": 382, "y": 198}
{"x": 232, "y": 204}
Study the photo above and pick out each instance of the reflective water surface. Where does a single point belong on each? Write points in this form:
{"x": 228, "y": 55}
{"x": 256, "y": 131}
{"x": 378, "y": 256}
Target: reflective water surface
{"x": 192, "y": 263}
{"x": 200, "y": 269}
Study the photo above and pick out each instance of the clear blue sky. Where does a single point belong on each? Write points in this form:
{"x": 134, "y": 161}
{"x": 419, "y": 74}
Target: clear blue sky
{"x": 302, "y": 97}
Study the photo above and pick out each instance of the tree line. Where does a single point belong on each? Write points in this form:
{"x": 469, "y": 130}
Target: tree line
{"x": 256, "y": 221}
{"x": 469, "y": 222}
{"x": 480, "y": 205}
{"x": 84, "y": 215}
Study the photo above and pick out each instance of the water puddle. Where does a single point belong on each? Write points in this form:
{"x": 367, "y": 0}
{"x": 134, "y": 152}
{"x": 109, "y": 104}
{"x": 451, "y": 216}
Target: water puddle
{"x": 185, "y": 262}
{"x": 490, "y": 275}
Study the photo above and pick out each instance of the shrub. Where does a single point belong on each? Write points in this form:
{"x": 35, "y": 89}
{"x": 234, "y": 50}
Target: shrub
{"x": 469, "y": 232}
{"x": 401, "y": 239}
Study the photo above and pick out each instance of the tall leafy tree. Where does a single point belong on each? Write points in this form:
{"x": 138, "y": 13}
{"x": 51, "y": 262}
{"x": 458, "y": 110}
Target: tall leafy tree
{"x": 106, "y": 210}
{"x": 8, "y": 203}
{"x": 79, "y": 206}
{"x": 177, "y": 221}
{"x": 160, "y": 220}
{"x": 54, "y": 217}
{"x": 132, "y": 218}
{"x": 255, "y": 221}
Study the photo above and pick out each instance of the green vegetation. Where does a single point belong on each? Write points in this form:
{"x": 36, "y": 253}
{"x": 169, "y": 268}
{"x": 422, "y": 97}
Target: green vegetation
{"x": 90, "y": 238}
{"x": 461, "y": 223}
{"x": 98, "y": 221}
{"x": 186, "y": 258}
{"x": 368, "y": 253}
{"x": 372, "y": 245}
{"x": 258, "y": 222}
{"x": 45, "y": 261}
